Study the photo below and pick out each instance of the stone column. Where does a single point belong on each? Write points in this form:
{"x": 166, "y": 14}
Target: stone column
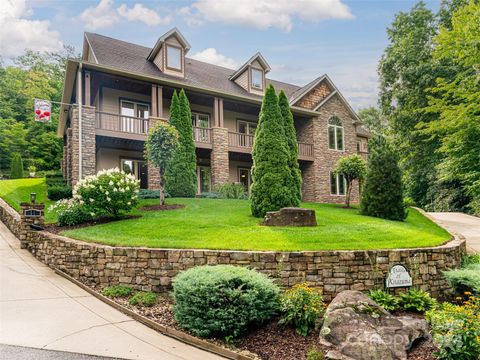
{"x": 87, "y": 144}
{"x": 68, "y": 155}
{"x": 30, "y": 214}
{"x": 219, "y": 156}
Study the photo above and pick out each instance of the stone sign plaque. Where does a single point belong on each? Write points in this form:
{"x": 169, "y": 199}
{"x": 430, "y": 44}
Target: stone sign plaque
{"x": 33, "y": 213}
{"x": 398, "y": 276}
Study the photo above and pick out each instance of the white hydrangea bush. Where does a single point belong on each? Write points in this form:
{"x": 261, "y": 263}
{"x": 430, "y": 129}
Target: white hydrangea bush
{"x": 109, "y": 193}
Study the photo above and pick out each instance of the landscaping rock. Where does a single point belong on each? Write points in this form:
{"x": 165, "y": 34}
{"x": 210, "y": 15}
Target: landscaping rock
{"x": 362, "y": 330}
{"x": 291, "y": 216}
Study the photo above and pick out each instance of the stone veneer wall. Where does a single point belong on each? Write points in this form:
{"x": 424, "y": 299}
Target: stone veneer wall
{"x": 154, "y": 269}
{"x": 219, "y": 156}
{"x": 88, "y": 143}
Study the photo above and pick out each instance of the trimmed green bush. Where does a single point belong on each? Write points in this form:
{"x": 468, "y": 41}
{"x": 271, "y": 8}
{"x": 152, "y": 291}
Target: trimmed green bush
{"x": 71, "y": 212}
{"x": 181, "y": 172}
{"x": 231, "y": 191}
{"x": 58, "y": 192}
{"x": 271, "y": 173}
{"x": 416, "y": 300}
{"x": 143, "y": 299}
{"x": 16, "y": 167}
{"x": 382, "y": 194}
{"x": 117, "y": 291}
{"x": 291, "y": 138}
{"x": 223, "y": 300}
{"x": 465, "y": 279}
{"x": 388, "y": 301}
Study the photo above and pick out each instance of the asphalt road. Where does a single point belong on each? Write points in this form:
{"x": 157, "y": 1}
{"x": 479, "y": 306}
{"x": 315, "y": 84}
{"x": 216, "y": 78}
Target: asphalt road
{"x": 10, "y": 352}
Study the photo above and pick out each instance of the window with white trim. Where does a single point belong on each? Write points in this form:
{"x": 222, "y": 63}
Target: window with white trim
{"x": 335, "y": 133}
{"x": 257, "y": 79}
{"x": 338, "y": 184}
{"x": 174, "y": 57}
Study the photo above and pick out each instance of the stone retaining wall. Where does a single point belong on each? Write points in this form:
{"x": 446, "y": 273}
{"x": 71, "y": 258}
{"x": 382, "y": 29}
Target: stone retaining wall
{"x": 331, "y": 271}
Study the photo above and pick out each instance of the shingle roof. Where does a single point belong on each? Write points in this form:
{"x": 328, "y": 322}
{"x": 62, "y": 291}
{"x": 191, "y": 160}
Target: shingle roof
{"x": 132, "y": 57}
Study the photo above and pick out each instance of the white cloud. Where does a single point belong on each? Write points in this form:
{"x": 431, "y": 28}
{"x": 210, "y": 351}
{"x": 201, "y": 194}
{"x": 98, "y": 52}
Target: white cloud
{"x": 140, "y": 13}
{"x": 18, "y": 33}
{"x": 263, "y": 14}
{"x": 105, "y": 15}
{"x": 212, "y": 56}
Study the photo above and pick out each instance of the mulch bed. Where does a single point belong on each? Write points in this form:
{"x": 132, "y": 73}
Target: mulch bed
{"x": 55, "y": 228}
{"x": 269, "y": 342}
{"x": 162, "y": 207}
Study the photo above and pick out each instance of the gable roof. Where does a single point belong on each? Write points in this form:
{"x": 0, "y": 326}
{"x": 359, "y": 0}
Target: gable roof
{"x": 173, "y": 32}
{"x": 259, "y": 57}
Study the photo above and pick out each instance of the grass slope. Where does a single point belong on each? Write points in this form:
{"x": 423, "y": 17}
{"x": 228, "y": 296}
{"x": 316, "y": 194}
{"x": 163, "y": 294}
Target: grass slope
{"x": 16, "y": 191}
{"x": 227, "y": 224}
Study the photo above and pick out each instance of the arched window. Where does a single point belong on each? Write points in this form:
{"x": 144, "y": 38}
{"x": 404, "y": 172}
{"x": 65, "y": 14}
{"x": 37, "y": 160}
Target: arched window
{"x": 335, "y": 133}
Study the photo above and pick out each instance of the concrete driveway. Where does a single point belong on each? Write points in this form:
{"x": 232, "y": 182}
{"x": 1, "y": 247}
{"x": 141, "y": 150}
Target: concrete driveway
{"x": 39, "y": 309}
{"x": 463, "y": 224}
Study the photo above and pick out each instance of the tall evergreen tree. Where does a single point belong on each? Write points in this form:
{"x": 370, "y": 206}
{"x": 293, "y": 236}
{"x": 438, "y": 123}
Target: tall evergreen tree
{"x": 181, "y": 177}
{"x": 16, "y": 168}
{"x": 291, "y": 138}
{"x": 270, "y": 172}
{"x": 382, "y": 194}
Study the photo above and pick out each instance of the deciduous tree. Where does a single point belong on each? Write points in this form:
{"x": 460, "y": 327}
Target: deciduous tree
{"x": 352, "y": 167}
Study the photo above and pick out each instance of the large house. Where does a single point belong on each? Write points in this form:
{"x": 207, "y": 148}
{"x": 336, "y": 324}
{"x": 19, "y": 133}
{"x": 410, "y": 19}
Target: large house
{"x": 120, "y": 89}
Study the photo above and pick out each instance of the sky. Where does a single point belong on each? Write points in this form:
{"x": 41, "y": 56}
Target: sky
{"x": 300, "y": 39}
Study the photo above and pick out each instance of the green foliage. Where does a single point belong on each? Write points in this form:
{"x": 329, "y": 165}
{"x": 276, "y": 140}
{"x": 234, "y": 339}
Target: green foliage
{"x": 467, "y": 278}
{"x": 416, "y": 300}
{"x": 16, "y": 167}
{"x": 271, "y": 174}
{"x": 302, "y": 307}
{"x": 456, "y": 330}
{"x": 32, "y": 168}
{"x": 162, "y": 140}
{"x": 231, "y": 191}
{"x": 117, "y": 291}
{"x": 382, "y": 194}
{"x": 150, "y": 194}
{"x": 470, "y": 259}
{"x": 388, "y": 301}
{"x": 71, "y": 212}
{"x": 295, "y": 187}
{"x": 352, "y": 167}
{"x": 374, "y": 121}
{"x": 314, "y": 354}
{"x": 180, "y": 175}
{"x": 141, "y": 298}
{"x": 223, "y": 300}
{"x": 109, "y": 193}
{"x": 58, "y": 192}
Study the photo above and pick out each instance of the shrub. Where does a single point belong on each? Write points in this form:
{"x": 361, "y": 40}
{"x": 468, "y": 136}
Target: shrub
{"x": 223, "y": 300}
{"x": 382, "y": 193}
{"x": 464, "y": 279}
{"x": 417, "y": 300}
{"x": 108, "y": 193}
{"x": 270, "y": 172}
{"x": 470, "y": 259}
{"x": 352, "y": 167}
{"x": 117, "y": 291}
{"x": 231, "y": 191}
{"x": 55, "y": 181}
{"x": 71, "y": 212}
{"x": 143, "y": 299}
{"x": 16, "y": 167}
{"x": 58, "y": 192}
{"x": 209, "y": 195}
{"x": 456, "y": 330}
{"x": 53, "y": 174}
{"x": 302, "y": 307}
{"x": 388, "y": 301}
{"x": 149, "y": 194}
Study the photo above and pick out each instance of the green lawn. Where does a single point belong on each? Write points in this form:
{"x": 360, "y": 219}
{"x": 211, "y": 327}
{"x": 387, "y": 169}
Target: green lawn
{"x": 16, "y": 191}
{"x": 227, "y": 224}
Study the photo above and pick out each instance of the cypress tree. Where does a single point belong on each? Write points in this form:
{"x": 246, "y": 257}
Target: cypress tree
{"x": 270, "y": 172}
{"x": 291, "y": 139}
{"x": 16, "y": 167}
{"x": 382, "y": 194}
{"x": 180, "y": 175}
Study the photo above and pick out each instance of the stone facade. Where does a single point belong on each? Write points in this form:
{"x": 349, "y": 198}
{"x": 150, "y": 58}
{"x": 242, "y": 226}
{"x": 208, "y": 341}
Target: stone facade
{"x": 87, "y": 145}
{"x": 314, "y": 96}
{"x": 68, "y": 156}
{"x": 219, "y": 156}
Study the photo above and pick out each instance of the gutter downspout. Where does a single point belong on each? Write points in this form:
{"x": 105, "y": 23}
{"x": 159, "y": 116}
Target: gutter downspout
{"x": 80, "y": 100}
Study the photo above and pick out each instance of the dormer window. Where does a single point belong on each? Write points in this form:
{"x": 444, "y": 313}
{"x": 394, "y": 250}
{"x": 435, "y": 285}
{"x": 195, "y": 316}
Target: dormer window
{"x": 174, "y": 58}
{"x": 257, "y": 79}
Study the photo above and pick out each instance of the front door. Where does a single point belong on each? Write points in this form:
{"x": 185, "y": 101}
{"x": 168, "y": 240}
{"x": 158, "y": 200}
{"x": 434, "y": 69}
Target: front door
{"x": 244, "y": 178}
{"x": 204, "y": 179}
{"x": 137, "y": 168}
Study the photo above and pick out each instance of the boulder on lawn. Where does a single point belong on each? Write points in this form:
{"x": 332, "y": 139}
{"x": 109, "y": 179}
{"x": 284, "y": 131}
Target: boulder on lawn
{"x": 291, "y": 216}
{"x": 361, "y": 329}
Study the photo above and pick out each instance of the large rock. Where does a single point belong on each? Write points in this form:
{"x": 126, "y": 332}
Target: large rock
{"x": 360, "y": 329}
{"x": 291, "y": 216}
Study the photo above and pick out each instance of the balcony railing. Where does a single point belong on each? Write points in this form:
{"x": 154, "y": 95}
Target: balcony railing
{"x": 240, "y": 140}
{"x": 121, "y": 123}
{"x": 202, "y": 135}
{"x": 305, "y": 149}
